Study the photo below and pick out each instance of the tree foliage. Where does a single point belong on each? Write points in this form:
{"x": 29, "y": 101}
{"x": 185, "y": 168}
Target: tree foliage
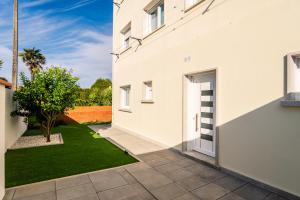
{"x": 100, "y": 94}
{"x": 34, "y": 59}
{"x": 50, "y": 94}
{"x": 1, "y": 63}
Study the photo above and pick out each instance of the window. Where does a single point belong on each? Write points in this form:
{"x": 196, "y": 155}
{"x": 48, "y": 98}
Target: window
{"x": 191, "y": 3}
{"x": 125, "y": 97}
{"x": 148, "y": 91}
{"x": 155, "y": 16}
{"x": 126, "y": 34}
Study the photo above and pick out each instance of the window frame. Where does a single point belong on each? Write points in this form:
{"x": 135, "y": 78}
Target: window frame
{"x": 159, "y": 8}
{"x": 125, "y": 92}
{"x": 125, "y": 36}
{"x": 146, "y": 88}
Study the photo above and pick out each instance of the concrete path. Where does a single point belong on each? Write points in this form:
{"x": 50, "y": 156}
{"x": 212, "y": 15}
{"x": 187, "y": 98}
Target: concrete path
{"x": 162, "y": 175}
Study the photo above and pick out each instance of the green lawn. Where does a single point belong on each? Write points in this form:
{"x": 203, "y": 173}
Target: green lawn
{"x": 83, "y": 151}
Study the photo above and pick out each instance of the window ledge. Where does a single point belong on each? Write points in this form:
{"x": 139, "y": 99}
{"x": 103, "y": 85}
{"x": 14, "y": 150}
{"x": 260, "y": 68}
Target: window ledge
{"x": 291, "y": 100}
{"x": 151, "y": 33}
{"x": 123, "y": 51}
{"x": 147, "y": 101}
{"x": 125, "y": 110}
{"x": 193, "y": 6}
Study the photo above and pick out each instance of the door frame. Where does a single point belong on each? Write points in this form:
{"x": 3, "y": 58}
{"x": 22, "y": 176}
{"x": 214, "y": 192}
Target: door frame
{"x": 186, "y": 136}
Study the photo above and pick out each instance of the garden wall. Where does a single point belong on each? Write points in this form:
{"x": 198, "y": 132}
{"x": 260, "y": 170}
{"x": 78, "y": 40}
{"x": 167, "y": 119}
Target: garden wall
{"x": 11, "y": 128}
{"x": 84, "y": 114}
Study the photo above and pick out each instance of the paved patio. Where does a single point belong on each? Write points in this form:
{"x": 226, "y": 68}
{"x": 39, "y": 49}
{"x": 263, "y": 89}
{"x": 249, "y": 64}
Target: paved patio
{"x": 162, "y": 175}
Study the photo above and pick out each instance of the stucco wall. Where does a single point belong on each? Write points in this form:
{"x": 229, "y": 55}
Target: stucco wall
{"x": 245, "y": 42}
{"x": 14, "y": 126}
{"x": 2, "y": 140}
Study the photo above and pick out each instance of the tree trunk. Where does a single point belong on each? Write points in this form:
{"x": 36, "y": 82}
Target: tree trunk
{"x": 48, "y": 133}
{"x": 15, "y": 48}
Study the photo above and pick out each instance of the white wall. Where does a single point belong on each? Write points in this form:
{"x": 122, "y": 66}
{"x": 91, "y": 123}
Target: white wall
{"x": 14, "y": 126}
{"x": 11, "y": 128}
{"x": 2, "y": 140}
{"x": 245, "y": 42}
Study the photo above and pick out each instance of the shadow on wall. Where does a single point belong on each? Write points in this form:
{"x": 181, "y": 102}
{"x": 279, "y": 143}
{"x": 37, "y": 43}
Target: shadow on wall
{"x": 264, "y": 144}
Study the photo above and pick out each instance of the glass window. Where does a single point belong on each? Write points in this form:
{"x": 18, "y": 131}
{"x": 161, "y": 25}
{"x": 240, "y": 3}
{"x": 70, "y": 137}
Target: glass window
{"x": 125, "y": 97}
{"x": 156, "y": 17}
{"x": 126, "y": 34}
{"x": 148, "y": 90}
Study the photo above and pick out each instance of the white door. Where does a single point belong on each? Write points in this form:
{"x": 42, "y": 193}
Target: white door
{"x": 204, "y": 115}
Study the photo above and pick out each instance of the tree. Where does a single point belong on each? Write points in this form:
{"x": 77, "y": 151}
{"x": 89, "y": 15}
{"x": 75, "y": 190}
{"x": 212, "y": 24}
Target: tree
{"x": 51, "y": 93}
{"x": 15, "y": 47}
{"x": 1, "y": 63}
{"x": 106, "y": 99}
{"x": 34, "y": 59}
{"x": 98, "y": 95}
{"x": 101, "y": 84}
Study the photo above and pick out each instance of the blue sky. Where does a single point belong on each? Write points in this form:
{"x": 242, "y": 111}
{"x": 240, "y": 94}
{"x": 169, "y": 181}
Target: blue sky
{"x": 72, "y": 33}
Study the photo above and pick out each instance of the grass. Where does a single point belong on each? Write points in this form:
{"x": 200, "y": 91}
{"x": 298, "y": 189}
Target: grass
{"x": 83, "y": 151}
{"x": 96, "y": 123}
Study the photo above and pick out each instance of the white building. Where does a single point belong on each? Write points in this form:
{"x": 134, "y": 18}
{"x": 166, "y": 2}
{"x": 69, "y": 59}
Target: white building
{"x": 217, "y": 78}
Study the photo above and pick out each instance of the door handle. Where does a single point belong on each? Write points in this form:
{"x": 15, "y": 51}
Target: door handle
{"x": 196, "y": 121}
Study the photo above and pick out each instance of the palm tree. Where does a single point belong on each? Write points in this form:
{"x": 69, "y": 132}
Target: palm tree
{"x": 15, "y": 47}
{"x": 34, "y": 59}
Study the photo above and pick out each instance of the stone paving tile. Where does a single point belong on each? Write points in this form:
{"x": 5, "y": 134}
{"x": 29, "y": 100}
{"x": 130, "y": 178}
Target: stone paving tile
{"x": 149, "y": 157}
{"x": 158, "y": 162}
{"x": 34, "y": 189}
{"x": 170, "y": 155}
{"x": 75, "y": 192}
{"x": 192, "y": 183}
{"x": 72, "y": 181}
{"x": 176, "y": 175}
{"x": 230, "y": 183}
{"x": 167, "y": 167}
{"x": 198, "y": 169}
{"x": 151, "y": 179}
{"x": 212, "y": 175}
{"x": 187, "y": 196}
{"x": 43, "y": 196}
{"x": 168, "y": 192}
{"x": 137, "y": 167}
{"x": 88, "y": 197}
{"x": 119, "y": 193}
{"x": 185, "y": 162}
{"x": 105, "y": 180}
{"x": 143, "y": 193}
{"x": 231, "y": 196}
{"x": 9, "y": 193}
{"x": 210, "y": 192}
{"x": 251, "y": 192}
{"x": 274, "y": 197}
{"x": 127, "y": 176}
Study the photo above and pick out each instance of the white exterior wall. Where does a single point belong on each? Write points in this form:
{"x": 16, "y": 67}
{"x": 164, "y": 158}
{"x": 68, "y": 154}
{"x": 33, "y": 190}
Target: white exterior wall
{"x": 2, "y": 141}
{"x": 14, "y": 126}
{"x": 11, "y": 128}
{"x": 245, "y": 42}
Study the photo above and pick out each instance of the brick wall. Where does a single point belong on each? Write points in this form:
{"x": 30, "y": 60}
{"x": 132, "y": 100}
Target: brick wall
{"x": 89, "y": 114}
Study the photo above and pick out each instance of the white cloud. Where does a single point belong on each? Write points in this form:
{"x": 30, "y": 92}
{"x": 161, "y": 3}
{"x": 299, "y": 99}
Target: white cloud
{"x": 89, "y": 60}
{"x": 34, "y": 3}
{"x": 61, "y": 39}
{"x": 79, "y": 4}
